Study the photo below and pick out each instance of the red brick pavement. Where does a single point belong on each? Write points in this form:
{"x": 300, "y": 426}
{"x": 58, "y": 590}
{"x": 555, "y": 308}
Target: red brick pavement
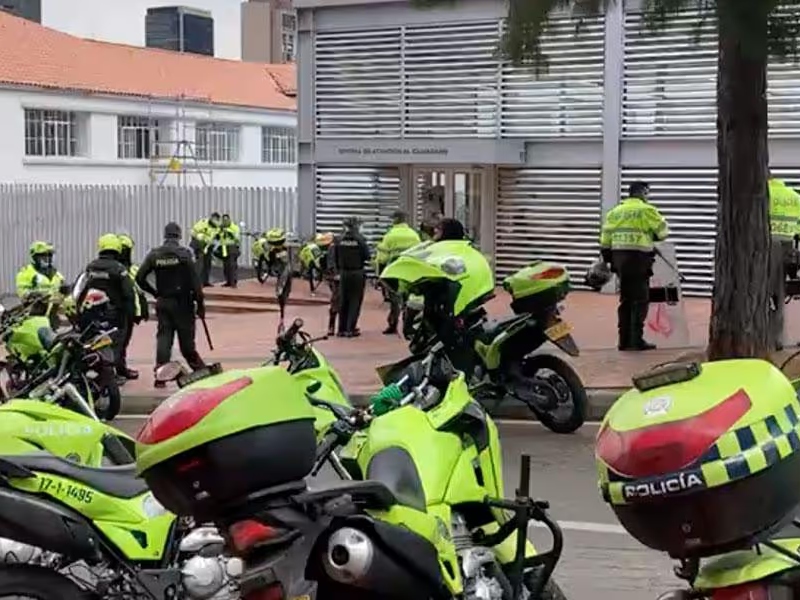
{"x": 243, "y": 340}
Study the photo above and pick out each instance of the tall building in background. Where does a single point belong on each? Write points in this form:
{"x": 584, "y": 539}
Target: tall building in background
{"x": 179, "y": 28}
{"x": 269, "y": 31}
{"x": 27, "y": 9}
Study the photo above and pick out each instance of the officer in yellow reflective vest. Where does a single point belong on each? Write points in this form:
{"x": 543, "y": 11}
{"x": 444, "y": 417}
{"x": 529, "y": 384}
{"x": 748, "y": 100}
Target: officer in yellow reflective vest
{"x": 224, "y": 243}
{"x": 140, "y": 304}
{"x": 626, "y": 242}
{"x": 202, "y": 232}
{"x": 40, "y": 276}
{"x": 397, "y": 240}
{"x": 784, "y": 217}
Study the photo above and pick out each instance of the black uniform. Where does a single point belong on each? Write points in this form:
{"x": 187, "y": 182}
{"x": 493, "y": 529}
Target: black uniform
{"x": 329, "y": 273}
{"x": 179, "y": 296}
{"x": 107, "y": 274}
{"x": 350, "y": 252}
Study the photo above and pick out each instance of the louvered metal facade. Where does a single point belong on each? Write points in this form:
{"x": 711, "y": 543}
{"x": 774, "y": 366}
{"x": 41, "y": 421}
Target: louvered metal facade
{"x": 670, "y": 81}
{"x": 548, "y": 214}
{"x": 371, "y": 194}
{"x": 688, "y": 200}
{"x": 445, "y": 81}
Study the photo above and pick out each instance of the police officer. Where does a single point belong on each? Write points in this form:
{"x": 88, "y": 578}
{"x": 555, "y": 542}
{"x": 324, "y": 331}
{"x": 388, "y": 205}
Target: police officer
{"x": 229, "y": 238}
{"x": 784, "y": 217}
{"x": 107, "y": 274}
{"x": 179, "y": 297}
{"x": 350, "y": 254}
{"x": 41, "y": 277}
{"x": 202, "y": 232}
{"x": 141, "y": 310}
{"x": 398, "y": 239}
{"x": 626, "y": 242}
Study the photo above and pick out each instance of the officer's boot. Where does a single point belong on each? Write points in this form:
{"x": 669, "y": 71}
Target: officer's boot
{"x": 129, "y": 373}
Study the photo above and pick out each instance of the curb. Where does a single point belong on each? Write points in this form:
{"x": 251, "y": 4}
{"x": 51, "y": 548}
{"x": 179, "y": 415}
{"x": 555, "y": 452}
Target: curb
{"x": 600, "y": 400}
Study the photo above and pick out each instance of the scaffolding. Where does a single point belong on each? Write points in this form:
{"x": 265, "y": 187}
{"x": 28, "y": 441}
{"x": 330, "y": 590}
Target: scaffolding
{"x": 173, "y": 148}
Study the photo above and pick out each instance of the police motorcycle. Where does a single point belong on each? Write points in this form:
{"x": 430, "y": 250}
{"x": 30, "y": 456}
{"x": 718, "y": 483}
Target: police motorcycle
{"x": 702, "y": 462}
{"x": 449, "y": 536}
{"x": 36, "y": 353}
{"x": 500, "y": 356}
{"x": 76, "y": 522}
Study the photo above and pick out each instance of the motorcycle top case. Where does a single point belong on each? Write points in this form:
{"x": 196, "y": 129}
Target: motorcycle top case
{"x": 225, "y": 437}
{"x": 699, "y": 460}
{"x": 536, "y": 287}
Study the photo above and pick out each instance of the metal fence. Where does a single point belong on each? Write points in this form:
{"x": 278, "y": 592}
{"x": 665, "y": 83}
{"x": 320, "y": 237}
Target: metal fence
{"x": 72, "y": 217}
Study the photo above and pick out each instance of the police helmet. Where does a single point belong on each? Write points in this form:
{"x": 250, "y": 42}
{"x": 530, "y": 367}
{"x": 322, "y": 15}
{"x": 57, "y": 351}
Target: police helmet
{"x": 125, "y": 240}
{"x": 109, "y": 242}
{"x": 597, "y": 276}
{"x": 39, "y": 248}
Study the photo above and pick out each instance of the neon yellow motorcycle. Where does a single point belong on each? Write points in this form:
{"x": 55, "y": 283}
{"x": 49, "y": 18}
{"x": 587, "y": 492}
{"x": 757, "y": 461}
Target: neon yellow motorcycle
{"x": 416, "y": 528}
{"x": 702, "y": 461}
{"x": 500, "y": 357}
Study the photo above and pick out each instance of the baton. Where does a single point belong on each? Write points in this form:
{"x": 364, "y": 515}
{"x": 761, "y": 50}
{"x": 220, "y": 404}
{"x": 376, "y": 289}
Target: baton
{"x": 681, "y": 278}
{"x": 208, "y": 335}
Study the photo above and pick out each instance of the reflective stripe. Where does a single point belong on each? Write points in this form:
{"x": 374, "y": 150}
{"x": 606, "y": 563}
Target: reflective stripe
{"x": 736, "y": 455}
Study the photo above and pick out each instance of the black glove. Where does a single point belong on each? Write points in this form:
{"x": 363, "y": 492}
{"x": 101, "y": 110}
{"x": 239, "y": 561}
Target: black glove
{"x": 605, "y": 254}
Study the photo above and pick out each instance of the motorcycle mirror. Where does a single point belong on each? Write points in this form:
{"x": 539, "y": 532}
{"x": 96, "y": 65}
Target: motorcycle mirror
{"x": 169, "y": 372}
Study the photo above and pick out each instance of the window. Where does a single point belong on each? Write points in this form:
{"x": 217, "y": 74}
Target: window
{"x": 279, "y": 146}
{"x": 288, "y": 36}
{"x": 137, "y": 137}
{"x": 217, "y": 142}
{"x": 51, "y": 132}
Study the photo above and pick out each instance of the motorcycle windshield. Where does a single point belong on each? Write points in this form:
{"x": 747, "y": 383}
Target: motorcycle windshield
{"x": 393, "y": 372}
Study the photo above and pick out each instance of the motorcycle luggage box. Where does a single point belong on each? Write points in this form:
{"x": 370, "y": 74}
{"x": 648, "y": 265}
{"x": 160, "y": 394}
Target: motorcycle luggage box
{"x": 536, "y": 288}
{"x": 260, "y": 435}
{"x": 703, "y": 459}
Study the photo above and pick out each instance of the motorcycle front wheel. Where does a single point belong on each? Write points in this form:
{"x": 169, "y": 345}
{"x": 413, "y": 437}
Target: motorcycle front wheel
{"x": 27, "y": 581}
{"x": 554, "y": 378}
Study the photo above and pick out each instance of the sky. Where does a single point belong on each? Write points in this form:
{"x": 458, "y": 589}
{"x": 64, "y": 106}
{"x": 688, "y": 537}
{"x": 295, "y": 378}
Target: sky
{"x": 122, "y": 21}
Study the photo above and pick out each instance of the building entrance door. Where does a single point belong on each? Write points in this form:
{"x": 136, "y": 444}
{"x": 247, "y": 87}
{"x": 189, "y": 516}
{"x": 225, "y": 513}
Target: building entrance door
{"x": 452, "y": 192}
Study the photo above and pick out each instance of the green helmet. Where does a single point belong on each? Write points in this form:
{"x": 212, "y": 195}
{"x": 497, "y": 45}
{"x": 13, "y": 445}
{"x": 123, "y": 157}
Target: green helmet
{"x": 452, "y": 274}
{"x": 109, "y": 242}
{"x": 125, "y": 240}
{"x": 38, "y": 248}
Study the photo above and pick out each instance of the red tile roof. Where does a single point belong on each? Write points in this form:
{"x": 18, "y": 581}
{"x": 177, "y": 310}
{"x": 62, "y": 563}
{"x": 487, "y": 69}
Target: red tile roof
{"x": 37, "y": 56}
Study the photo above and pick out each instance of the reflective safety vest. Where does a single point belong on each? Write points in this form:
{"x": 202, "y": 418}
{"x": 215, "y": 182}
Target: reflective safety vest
{"x": 784, "y": 210}
{"x": 398, "y": 239}
{"x": 633, "y": 224}
{"x": 137, "y": 302}
{"x": 30, "y": 280}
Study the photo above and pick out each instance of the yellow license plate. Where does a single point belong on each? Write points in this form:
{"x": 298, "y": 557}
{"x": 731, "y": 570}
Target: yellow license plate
{"x": 558, "y": 331}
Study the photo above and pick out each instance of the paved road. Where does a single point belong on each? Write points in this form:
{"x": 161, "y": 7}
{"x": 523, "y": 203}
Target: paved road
{"x": 600, "y": 561}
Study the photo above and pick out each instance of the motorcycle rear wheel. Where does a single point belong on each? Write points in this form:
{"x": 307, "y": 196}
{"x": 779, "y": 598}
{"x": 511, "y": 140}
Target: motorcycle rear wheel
{"x": 262, "y": 270}
{"x": 566, "y": 382}
{"x": 29, "y": 581}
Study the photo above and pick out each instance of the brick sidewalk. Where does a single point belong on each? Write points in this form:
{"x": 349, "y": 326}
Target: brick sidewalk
{"x": 245, "y": 340}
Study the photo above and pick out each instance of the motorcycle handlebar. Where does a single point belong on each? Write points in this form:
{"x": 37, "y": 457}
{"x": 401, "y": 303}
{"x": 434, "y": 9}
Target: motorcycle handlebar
{"x": 288, "y": 335}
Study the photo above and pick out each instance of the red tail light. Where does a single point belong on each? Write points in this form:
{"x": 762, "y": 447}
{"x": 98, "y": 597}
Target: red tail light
{"x": 667, "y": 448}
{"x": 749, "y": 591}
{"x": 185, "y": 409}
{"x": 246, "y": 534}
{"x": 272, "y": 592}
{"x": 551, "y": 273}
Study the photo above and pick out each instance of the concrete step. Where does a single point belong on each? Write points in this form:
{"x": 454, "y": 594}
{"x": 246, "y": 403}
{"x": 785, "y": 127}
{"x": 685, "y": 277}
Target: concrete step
{"x": 265, "y": 298}
{"x": 228, "y": 307}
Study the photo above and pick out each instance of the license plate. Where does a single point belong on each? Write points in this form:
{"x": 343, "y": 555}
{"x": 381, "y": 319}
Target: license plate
{"x": 558, "y": 331}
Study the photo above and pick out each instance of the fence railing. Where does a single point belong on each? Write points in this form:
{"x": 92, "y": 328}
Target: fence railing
{"x": 72, "y": 217}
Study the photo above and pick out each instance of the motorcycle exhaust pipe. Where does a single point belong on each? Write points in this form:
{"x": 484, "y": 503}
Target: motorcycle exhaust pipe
{"x": 353, "y": 559}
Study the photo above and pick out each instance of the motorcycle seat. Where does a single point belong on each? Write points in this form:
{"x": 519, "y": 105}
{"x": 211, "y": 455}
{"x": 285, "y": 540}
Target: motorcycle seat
{"x": 117, "y": 481}
{"x": 492, "y": 327}
{"x": 373, "y": 494}
{"x": 47, "y": 337}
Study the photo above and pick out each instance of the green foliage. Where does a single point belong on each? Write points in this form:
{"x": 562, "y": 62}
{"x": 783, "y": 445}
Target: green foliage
{"x": 529, "y": 21}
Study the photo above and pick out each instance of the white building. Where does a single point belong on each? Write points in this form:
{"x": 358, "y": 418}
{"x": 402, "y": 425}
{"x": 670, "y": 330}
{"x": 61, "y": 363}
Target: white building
{"x": 81, "y": 111}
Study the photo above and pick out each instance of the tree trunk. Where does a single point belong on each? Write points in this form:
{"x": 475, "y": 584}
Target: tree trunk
{"x": 739, "y": 313}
